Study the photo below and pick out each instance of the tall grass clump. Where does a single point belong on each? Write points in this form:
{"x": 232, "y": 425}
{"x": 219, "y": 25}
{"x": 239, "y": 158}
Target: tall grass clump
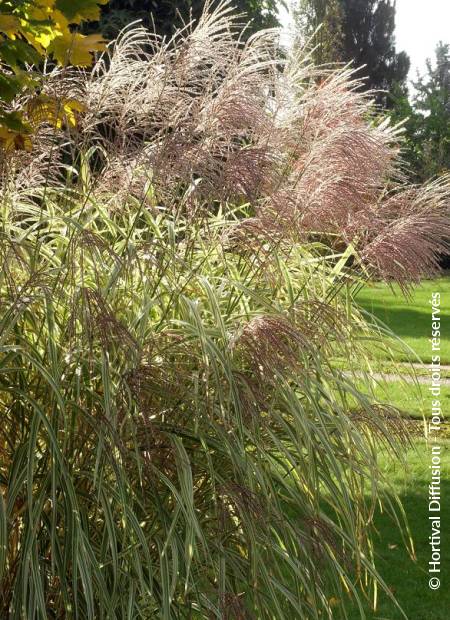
{"x": 177, "y": 276}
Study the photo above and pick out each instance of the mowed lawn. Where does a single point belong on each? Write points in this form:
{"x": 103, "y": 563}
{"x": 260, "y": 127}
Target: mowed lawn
{"x": 410, "y": 318}
{"x": 412, "y": 398}
{"x": 406, "y": 578}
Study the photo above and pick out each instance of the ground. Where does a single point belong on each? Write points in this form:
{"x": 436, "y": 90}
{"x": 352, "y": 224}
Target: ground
{"x": 410, "y": 319}
{"x": 408, "y": 580}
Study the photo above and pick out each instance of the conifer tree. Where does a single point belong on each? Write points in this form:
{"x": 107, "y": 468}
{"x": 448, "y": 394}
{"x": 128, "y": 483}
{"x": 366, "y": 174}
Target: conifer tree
{"x": 432, "y": 104}
{"x": 362, "y": 32}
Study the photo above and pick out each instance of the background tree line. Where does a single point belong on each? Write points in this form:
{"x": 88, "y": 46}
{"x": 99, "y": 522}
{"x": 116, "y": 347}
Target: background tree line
{"x": 363, "y": 32}
{"x": 167, "y": 15}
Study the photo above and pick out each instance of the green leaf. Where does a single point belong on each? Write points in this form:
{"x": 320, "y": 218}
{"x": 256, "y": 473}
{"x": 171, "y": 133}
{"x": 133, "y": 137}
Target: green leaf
{"x": 17, "y": 51}
{"x": 77, "y": 11}
{"x": 10, "y": 86}
{"x": 15, "y": 122}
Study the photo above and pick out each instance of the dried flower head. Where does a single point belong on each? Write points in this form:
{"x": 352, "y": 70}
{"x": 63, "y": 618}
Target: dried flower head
{"x": 272, "y": 345}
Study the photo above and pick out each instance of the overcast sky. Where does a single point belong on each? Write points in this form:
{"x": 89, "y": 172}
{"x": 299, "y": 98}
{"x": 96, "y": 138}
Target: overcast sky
{"x": 420, "y": 25}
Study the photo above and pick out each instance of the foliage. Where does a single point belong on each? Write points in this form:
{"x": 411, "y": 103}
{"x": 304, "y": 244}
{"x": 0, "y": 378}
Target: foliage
{"x": 432, "y": 104}
{"x": 164, "y": 16}
{"x": 323, "y": 21}
{"x": 426, "y": 118}
{"x": 402, "y": 112}
{"x": 364, "y": 32}
{"x": 178, "y": 272}
{"x": 402, "y": 575}
{"x": 369, "y": 40}
{"x": 30, "y": 30}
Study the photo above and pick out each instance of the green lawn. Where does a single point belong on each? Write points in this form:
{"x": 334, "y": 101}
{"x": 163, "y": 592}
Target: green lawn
{"x": 410, "y": 319}
{"x": 408, "y": 579}
{"x": 411, "y": 398}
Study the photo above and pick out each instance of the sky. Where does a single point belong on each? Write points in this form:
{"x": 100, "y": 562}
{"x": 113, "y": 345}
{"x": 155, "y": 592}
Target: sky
{"x": 420, "y": 25}
{"x": 286, "y": 23}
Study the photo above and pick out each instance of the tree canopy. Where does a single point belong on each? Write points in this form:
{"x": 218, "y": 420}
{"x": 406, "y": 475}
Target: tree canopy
{"x": 31, "y": 30}
{"x": 427, "y": 114}
{"x": 432, "y": 102}
{"x": 167, "y": 15}
{"x": 362, "y": 32}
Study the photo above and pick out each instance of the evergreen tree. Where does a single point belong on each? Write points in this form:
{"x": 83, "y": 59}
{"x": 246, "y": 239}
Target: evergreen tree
{"x": 432, "y": 103}
{"x": 402, "y": 111}
{"x": 368, "y": 27}
{"x": 361, "y": 31}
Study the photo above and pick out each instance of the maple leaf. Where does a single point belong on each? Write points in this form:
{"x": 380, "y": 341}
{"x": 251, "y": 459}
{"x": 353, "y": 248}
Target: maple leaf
{"x": 75, "y": 48}
{"x": 48, "y": 4}
{"x": 29, "y": 30}
{"x": 10, "y": 25}
{"x": 14, "y": 52}
{"x": 70, "y": 108}
{"x": 77, "y": 11}
{"x": 12, "y": 85}
{"x": 14, "y": 132}
{"x": 56, "y": 112}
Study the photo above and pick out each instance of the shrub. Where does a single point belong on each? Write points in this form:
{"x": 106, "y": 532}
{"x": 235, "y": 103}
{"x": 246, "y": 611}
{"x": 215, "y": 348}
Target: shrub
{"x": 31, "y": 32}
{"x": 178, "y": 275}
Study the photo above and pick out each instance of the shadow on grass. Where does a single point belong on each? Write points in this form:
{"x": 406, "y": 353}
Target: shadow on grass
{"x": 413, "y": 326}
{"x": 404, "y": 322}
{"x": 408, "y": 579}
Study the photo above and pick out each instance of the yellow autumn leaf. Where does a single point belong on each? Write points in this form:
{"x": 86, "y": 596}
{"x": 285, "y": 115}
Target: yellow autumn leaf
{"x": 11, "y": 140}
{"x": 43, "y": 111}
{"x": 10, "y": 25}
{"x": 78, "y": 11}
{"x": 40, "y": 12}
{"x": 48, "y": 4}
{"x": 60, "y": 20}
{"x": 41, "y": 37}
{"x": 41, "y": 41}
{"x": 71, "y": 107}
{"x": 56, "y": 112}
{"x": 75, "y": 48}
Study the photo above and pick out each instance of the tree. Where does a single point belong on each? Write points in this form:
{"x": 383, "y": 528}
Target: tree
{"x": 364, "y": 30}
{"x": 426, "y": 118}
{"x": 31, "y": 30}
{"x": 368, "y": 27}
{"x": 167, "y": 15}
{"x": 402, "y": 111}
{"x": 432, "y": 103}
{"x": 322, "y": 20}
